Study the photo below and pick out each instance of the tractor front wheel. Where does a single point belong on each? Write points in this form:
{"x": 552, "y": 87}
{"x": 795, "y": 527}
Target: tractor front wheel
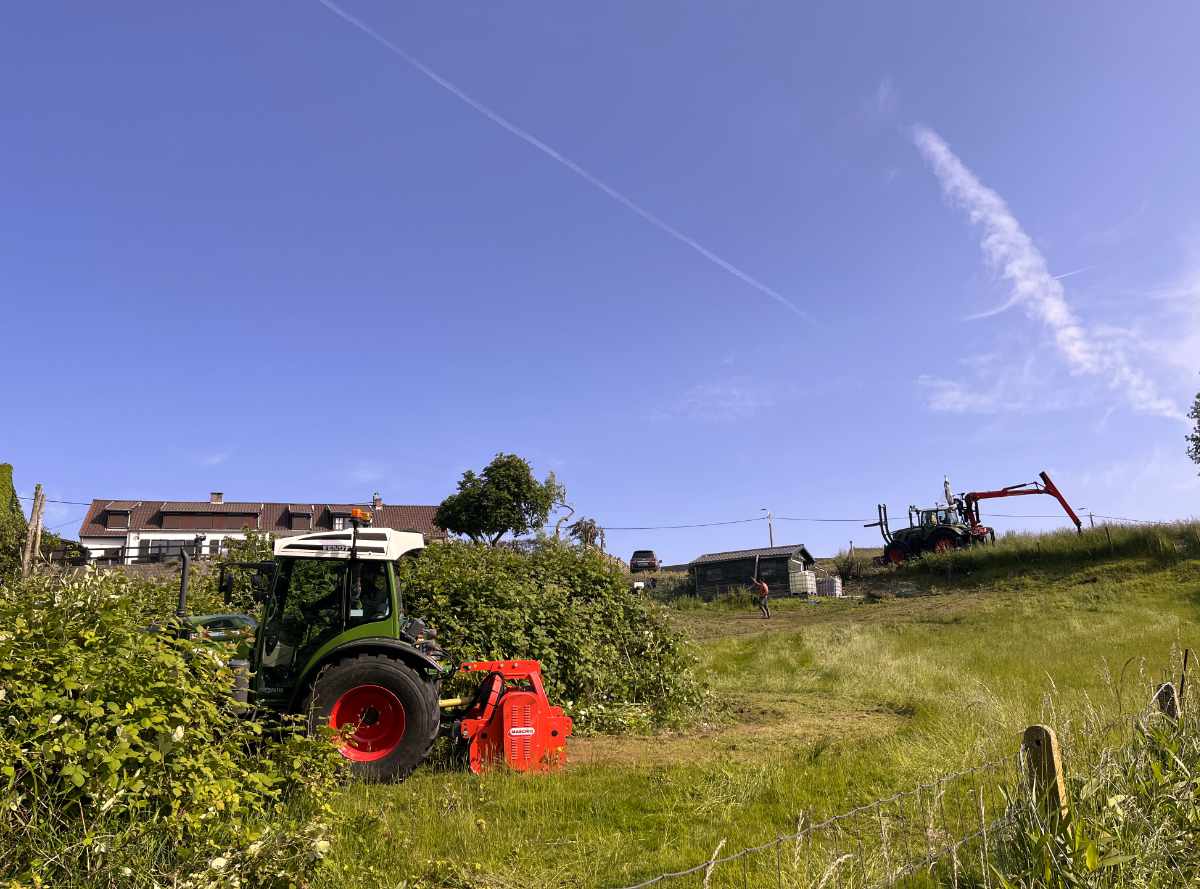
{"x": 387, "y": 714}
{"x": 895, "y": 554}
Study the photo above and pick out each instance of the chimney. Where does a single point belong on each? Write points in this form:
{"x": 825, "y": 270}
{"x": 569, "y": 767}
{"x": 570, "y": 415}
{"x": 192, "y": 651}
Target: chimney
{"x": 376, "y": 501}
{"x": 216, "y": 497}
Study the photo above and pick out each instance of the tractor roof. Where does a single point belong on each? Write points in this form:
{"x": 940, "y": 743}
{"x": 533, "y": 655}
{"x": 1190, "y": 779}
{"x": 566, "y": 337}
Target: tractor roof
{"x": 378, "y": 544}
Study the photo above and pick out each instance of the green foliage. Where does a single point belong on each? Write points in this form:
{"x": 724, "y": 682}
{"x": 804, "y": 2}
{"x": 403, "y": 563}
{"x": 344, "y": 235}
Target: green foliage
{"x": 586, "y": 533}
{"x": 123, "y": 759}
{"x": 12, "y": 524}
{"x": 1134, "y": 810}
{"x": 1193, "y": 437}
{"x": 504, "y": 499}
{"x": 609, "y": 656}
{"x": 257, "y": 546}
{"x": 851, "y": 565}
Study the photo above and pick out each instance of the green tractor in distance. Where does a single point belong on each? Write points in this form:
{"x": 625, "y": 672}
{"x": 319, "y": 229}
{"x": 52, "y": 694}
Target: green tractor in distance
{"x": 958, "y": 523}
{"x": 935, "y": 529}
{"x": 333, "y": 641}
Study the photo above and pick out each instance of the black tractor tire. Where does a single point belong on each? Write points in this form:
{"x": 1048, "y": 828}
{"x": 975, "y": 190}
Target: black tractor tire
{"x": 895, "y": 554}
{"x": 943, "y": 543}
{"x": 392, "y": 711}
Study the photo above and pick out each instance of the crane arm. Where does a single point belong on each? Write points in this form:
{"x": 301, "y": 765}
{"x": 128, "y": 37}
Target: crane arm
{"x": 1045, "y": 486}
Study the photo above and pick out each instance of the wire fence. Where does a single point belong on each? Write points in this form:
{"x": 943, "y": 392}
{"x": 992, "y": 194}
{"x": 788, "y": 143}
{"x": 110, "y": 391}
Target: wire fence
{"x": 947, "y": 831}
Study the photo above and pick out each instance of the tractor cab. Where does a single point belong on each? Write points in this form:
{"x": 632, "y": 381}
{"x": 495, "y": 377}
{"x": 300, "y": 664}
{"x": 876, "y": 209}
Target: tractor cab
{"x": 327, "y": 590}
{"x": 934, "y": 516}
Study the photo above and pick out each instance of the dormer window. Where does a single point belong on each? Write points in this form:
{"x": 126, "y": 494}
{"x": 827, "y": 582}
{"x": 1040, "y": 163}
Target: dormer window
{"x": 339, "y": 523}
{"x": 300, "y": 518}
{"x": 117, "y": 521}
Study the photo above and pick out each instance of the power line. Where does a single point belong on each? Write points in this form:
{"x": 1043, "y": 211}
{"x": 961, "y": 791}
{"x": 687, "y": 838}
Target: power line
{"x": 1116, "y": 518}
{"x": 786, "y": 518}
{"x": 48, "y": 500}
{"x": 525, "y": 136}
{"x": 64, "y": 524}
{"x": 672, "y": 527}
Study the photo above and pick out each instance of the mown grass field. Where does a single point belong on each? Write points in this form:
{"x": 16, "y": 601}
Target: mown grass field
{"x": 822, "y": 707}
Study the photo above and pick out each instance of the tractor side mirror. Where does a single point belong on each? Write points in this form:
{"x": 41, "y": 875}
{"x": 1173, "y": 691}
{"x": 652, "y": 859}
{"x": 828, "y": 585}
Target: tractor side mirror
{"x": 260, "y": 587}
{"x": 225, "y": 584}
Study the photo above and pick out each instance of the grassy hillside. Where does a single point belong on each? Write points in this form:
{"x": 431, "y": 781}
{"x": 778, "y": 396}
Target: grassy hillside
{"x": 822, "y": 707}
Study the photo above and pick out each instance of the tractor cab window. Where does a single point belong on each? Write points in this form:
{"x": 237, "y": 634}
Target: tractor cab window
{"x": 370, "y": 598}
{"x": 305, "y": 612}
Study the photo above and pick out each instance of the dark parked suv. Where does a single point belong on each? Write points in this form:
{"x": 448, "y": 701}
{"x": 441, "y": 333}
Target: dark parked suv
{"x": 643, "y": 560}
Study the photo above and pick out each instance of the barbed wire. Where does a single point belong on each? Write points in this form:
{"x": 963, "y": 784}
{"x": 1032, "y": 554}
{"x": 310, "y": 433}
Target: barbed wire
{"x": 827, "y": 823}
{"x": 937, "y": 789}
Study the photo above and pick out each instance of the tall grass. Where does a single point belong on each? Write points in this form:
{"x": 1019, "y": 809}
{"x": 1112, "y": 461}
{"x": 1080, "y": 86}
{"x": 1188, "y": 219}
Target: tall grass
{"x": 1065, "y": 549}
{"x": 815, "y": 711}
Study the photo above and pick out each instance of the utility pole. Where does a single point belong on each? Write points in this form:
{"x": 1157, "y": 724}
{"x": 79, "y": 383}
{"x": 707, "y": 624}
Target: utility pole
{"x": 770, "y": 525}
{"x": 33, "y": 532}
{"x": 37, "y": 538}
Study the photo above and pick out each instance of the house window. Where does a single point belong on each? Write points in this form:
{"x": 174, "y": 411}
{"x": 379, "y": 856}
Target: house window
{"x": 339, "y": 523}
{"x": 301, "y": 522}
{"x": 118, "y": 520}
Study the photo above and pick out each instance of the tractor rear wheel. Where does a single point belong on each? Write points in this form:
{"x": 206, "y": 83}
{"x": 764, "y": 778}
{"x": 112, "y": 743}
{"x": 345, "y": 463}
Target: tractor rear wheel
{"x": 388, "y": 713}
{"x": 943, "y": 544}
{"x": 895, "y": 554}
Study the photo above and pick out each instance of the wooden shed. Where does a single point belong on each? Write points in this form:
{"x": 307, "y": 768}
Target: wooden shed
{"x": 780, "y": 566}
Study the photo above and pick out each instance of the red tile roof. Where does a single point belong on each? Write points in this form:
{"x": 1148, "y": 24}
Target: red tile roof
{"x": 178, "y": 506}
{"x": 147, "y": 516}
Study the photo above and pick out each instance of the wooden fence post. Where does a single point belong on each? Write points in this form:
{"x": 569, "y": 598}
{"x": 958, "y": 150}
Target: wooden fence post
{"x": 1043, "y": 761}
{"x": 1167, "y": 699}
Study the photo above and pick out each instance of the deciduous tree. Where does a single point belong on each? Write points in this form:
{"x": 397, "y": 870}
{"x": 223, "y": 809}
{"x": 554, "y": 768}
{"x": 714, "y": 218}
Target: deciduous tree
{"x": 503, "y": 499}
{"x": 1193, "y": 438}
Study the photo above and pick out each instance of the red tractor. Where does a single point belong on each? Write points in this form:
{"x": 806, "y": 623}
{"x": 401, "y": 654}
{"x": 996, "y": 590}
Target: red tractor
{"x": 938, "y": 529}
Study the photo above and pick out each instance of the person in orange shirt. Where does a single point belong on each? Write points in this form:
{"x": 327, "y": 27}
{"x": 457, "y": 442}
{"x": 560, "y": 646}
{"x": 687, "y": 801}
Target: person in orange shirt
{"x": 764, "y": 596}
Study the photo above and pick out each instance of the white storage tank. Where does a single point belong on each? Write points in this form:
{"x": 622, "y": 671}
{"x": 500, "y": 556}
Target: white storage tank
{"x": 830, "y": 586}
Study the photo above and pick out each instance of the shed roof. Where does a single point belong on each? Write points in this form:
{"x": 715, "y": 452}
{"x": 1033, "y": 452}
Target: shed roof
{"x": 766, "y": 551}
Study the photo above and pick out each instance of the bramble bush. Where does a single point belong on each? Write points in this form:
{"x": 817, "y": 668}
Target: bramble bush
{"x": 608, "y": 655}
{"x": 123, "y": 759}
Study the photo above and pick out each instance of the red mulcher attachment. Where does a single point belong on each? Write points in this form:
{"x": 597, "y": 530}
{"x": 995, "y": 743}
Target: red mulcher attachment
{"x": 514, "y": 724}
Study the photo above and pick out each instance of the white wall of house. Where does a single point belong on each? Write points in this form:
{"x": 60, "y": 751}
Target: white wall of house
{"x": 134, "y": 539}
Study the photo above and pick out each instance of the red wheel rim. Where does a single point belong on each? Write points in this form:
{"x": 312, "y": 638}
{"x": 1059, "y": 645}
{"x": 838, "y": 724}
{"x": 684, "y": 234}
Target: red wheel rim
{"x": 895, "y": 555}
{"x": 942, "y": 546}
{"x": 377, "y": 718}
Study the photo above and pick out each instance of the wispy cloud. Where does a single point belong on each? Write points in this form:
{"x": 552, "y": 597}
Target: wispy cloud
{"x": 1014, "y": 256}
{"x": 366, "y": 472}
{"x": 885, "y": 96}
{"x": 1010, "y": 386}
{"x": 215, "y": 458}
{"x": 721, "y": 401}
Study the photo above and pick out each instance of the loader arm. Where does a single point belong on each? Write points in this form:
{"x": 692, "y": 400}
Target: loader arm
{"x": 1045, "y": 486}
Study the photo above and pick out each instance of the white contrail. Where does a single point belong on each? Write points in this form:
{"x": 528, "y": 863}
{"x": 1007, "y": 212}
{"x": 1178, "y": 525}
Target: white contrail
{"x": 528, "y": 137}
{"x": 1013, "y": 300}
{"x": 1012, "y": 252}
{"x": 1073, "y": 272}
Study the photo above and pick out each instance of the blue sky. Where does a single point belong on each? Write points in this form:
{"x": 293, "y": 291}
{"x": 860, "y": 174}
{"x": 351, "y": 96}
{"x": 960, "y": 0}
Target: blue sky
{"x": 251, "y": 248}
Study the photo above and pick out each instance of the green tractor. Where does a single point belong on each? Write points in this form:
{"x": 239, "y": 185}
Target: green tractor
{"x": 936, "y": 529}
{"x": 958, "y": 523}
{"x": 333, "y": 642}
